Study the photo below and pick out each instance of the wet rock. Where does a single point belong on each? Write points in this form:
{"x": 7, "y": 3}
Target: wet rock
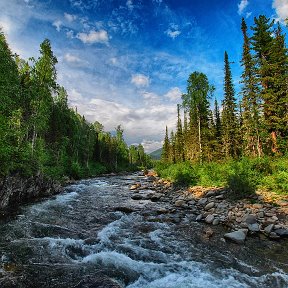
{"x": 238, "y": 236}
{"x": 97, "y": 282}
{"x": 220, "y": 197}
{"x": 155, "y": 197}
{"x": 135, "y": 186}
{"x": 137, "y": 197}
{"x": 282, "y": 232}
{"x": 124, "y": 209}
{"x": 209, "y": 206}
{"x": 151, "y": 178}
{"x": 199, "y": 218}
{"x": 273, "y": 235}
{"x": 208, "y": 233}
{"x": 162, "y": 211}
{"x": 209, "y": 219}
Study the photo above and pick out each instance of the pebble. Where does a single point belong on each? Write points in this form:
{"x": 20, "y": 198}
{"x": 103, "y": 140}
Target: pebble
{"x": 209, "y": 219}
{"x": 202, "y": 201}
{"x": 209, "y": 205}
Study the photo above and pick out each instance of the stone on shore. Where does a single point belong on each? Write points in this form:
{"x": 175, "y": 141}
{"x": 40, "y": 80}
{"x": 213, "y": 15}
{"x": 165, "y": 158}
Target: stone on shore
{"x": 209, "y": 219}
{"x": 238, "y": 236}
{"x": 209, "y": 205}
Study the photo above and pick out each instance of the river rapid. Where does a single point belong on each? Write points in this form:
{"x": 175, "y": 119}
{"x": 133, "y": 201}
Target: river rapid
{"x": 95, "y": 235}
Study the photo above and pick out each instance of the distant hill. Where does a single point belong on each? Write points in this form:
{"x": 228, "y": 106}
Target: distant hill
{"x": 156, "y": 155}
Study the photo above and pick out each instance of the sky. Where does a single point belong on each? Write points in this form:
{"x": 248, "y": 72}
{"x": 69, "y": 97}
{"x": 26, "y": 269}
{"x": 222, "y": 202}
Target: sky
{"x": 127, "y": 61}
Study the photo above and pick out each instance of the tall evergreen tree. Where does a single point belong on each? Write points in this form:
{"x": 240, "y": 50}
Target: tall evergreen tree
{"x": 250, "y": 102}
{"x": 179, "y": 143}
{"x": 165, "y": 156}
{"x": 230, "y": 132}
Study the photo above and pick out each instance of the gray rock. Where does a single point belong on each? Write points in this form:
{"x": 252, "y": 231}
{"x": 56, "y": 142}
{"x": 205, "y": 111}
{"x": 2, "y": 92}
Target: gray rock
{"x": 282, "y": 232}
{"x": 209, "y": 205}
{"x": 238, "y": 236}
{"x": 210, "y": 193}
{"x": 209, "y": 219}
{"x": 253, "y": 227}
{"x": 216, "y": 221}
{"x": 273, "y": 235}
{"x": 220, "y": 197}
{"x": 268, "y": 229}
{"x": 199, "y": 217}
{"x": 251, "y": 219}
{"x": 137, "y": 197}
{"x": 179, "y": 203}
{"x": 202, "y": 201}
{"x": 155, "y": 197}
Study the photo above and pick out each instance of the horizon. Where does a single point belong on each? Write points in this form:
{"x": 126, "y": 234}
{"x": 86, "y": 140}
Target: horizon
{"x": 132, "y": 60}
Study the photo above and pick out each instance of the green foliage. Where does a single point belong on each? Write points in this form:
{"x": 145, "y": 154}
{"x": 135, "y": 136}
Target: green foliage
{"x": 180, "y": 173}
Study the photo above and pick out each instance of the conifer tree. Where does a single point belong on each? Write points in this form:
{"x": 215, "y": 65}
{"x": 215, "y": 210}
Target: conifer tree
{"x": 230, "y": 135}
{"x": 179, "y": 143}
{"x": 165, "y": 156}
{"x": 250, "y": 100}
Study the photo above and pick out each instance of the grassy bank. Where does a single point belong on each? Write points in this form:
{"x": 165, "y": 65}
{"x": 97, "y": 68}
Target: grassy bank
{"x": 243, "y": 177}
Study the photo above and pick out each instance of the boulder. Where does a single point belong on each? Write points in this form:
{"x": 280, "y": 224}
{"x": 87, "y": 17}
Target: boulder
{"x": 268, "y": 229}
{"x": 238, "y": 236}
{"x": 155, "y": 197}
{"x": 282, "y": 232}
{"x": 251, "y": 219}
{"x": 135, "y": 186}
{"x": 137, "y": 197}
{"x": 253, "y": 227}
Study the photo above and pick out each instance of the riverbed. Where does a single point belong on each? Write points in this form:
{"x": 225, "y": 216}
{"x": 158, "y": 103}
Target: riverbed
{"x": 95, "y": 235}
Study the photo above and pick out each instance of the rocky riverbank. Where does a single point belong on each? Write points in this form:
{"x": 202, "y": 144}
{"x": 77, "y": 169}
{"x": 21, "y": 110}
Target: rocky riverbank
{"x": 16, "y": 190}
{"x": 261, "y": 215}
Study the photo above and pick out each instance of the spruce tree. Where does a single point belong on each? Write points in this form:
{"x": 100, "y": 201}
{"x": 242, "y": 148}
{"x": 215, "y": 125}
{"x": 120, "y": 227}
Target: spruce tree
{"x": 165, "y": 155}
{"x": 179, "y": 144}
{"x": 250, "y": 102}
{"x": 230, "y": 132}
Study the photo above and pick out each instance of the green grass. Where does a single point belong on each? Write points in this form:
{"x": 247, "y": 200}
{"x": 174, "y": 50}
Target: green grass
{"x": 241, "y": 177}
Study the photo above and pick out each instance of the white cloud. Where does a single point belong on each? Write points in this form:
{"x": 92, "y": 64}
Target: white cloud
{"x": 242, "y": 5}
{"x": 140, "y": 80}
{"x": 100, "y": 36}
{"x": 174, "y": 94}
{"x": 72, "y": 58}
{"x": 70, "y": 17}
{"x": 248, "y": 14}
{"x": 173, "y": 33}
{"x": 57, "y": 24}
{"x": 281, "y": 7}
{"x": 151, "y": 145}
{"x": 70, "y": 34}
{"x": 129, "y": 4}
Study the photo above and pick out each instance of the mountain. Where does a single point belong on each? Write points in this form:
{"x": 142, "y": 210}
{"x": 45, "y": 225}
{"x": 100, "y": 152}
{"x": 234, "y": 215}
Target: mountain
{"x": 156, "y": 155}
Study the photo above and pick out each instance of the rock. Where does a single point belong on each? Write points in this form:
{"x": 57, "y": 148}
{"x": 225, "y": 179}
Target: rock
{"x": 162, "y": 211}
{"x": 135, "y": 186}
{"x": 202, "y": 201}
{"x": 253, "y": 227}
{"x": 251, "y": 219}
{"x": 179, "y": 203}
{"x": 215, "y": 222}
{"x": 137, "y": 197}
{"x": 209, "y": 219}
{"x": 208, "y": 232}
{"x": 210, "y": 193}
{"x": 273, "y": 235}
{"x": 282, "y": 232}
{"x": 151, "y": 178}
{"x": 220, "y": 197}
{"x": 257, "y": 205}
{"x": 261, "y": 214}
{"x": 191, "y": 202}
{"x": 124, "y": 209}
{"x": 268, "y": 229}
{"x": 199, "y": 218}
{"x": 209, "y": 206}
{"x": 238, "y": 236}
{"x": 155, "y": 197}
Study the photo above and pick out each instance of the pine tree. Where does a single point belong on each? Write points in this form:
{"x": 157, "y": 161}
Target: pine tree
{"x": 262, "y": 43}
{"x": 165, "y": 156}
{"x": 230, "y": 135}
{"x": 250, "y": 101}
{"x": 179, "y": 143}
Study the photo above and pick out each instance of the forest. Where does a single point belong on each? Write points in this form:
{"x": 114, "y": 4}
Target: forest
{"x": 238, "y": 143}
{"x": 41, "y": 134}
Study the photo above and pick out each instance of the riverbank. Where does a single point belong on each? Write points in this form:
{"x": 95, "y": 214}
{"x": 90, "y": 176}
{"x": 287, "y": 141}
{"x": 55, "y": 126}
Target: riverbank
{"x": 264, "y": 215}
{"x": 17, "y": 190}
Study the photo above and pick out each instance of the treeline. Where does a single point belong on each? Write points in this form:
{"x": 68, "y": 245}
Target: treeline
{"x": 39, "y": 133}
{"x": 255, "y": 126}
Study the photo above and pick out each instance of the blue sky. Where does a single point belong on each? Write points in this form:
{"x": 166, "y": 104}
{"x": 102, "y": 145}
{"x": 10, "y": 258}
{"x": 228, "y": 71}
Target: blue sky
{"x": 127, "y": 61}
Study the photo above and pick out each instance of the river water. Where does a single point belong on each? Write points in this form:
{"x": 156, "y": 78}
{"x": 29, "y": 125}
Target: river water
{"x": 82, "y": 238}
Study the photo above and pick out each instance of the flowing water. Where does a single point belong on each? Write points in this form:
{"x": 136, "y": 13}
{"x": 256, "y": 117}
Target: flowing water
{"x": 94, "y": 235}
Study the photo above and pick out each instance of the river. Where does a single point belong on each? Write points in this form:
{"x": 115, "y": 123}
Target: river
{"x": 95, "y": 235}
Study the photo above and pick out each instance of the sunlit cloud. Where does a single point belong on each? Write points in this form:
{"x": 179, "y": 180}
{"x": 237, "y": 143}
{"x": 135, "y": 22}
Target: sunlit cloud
{"x": 281, "y": 7}
{"x": 140, "y": 80}
{"x": 242, "y": 5}
{"x": 93, "y": 37}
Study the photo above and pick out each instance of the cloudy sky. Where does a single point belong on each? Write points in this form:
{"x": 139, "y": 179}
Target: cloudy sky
{"x": 127, "y": 61}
